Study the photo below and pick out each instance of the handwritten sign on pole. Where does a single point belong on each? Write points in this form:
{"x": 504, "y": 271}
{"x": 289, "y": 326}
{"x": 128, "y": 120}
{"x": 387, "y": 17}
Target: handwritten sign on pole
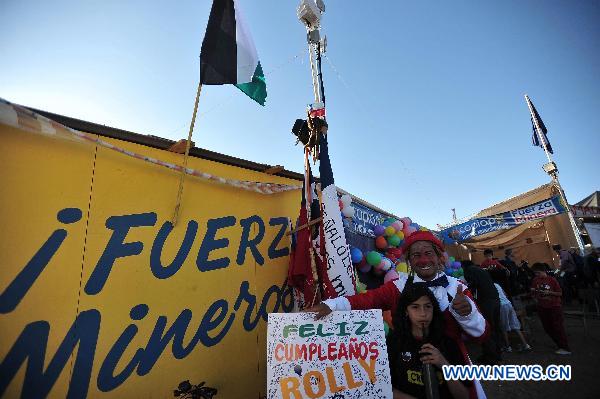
{"x": 341, "y": 356}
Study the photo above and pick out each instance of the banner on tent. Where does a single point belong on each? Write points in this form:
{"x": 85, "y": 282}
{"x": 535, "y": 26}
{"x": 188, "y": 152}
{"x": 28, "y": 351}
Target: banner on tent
{"x": 365, "y": 219}
{"x": 483, "y": 225}
{"x": 344, "y": 356}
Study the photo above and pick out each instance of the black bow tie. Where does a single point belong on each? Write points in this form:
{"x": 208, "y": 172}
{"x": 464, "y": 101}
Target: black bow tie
{"x": 441, "y": 281}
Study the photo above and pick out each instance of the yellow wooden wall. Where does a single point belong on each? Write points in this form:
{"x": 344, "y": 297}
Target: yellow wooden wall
{"x": 40, "y": 175}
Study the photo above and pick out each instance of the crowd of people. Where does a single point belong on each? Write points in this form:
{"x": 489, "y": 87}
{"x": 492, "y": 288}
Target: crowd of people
{"x": 434, "y": 313}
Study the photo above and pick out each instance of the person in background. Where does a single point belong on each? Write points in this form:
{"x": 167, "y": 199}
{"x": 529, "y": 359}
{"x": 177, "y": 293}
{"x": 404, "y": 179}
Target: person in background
{"x": 524, "y": 277}
{"x": 546, "y": 290}
{"x": 568, "y": 270}
{"x": 579, "y": 278}
{"x": 497, "y": 271}
{"x": 419, "y": 338}
{"x": 591, "y": 268}
{"x": 485, "y": 294}
{"x": 510, "y": 322}
{"x": 509, "y": 263}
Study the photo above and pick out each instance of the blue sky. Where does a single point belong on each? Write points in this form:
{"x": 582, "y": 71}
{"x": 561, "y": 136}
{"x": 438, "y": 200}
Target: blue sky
{"x": 424, "y": 99}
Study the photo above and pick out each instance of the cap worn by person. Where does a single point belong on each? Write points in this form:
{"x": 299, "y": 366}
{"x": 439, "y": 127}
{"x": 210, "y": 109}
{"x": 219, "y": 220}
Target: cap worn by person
{"x": 421, "y": 236}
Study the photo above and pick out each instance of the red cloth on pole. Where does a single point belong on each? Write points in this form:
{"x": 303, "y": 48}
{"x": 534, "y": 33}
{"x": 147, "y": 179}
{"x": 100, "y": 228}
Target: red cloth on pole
{"x": 300, "y": 273}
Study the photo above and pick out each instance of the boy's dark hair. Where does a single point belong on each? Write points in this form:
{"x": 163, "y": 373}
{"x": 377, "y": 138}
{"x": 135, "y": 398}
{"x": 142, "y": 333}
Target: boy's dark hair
{"x": 402, "y": 334}
{"x": 467, "y": 263}
{"x": 488, "y": 252}
{"x": 508, "y": 252}
{"x": 539, "y": 267}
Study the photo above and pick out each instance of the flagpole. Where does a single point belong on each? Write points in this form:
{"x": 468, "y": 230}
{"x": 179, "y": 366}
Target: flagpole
{"x": 314, "y": 72}
{"x": 554, "y": 175}
{"x": 185, "y": 157}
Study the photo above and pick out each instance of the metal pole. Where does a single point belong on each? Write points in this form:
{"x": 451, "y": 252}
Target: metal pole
{"x": 554, "y": 176}
{"x": 313, "y": 68}
{"x": 320, "y": 74}
{"x": 571, "y": 217}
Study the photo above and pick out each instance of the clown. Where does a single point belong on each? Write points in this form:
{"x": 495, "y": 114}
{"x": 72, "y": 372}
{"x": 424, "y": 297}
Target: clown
{"x": 424, "y": 253}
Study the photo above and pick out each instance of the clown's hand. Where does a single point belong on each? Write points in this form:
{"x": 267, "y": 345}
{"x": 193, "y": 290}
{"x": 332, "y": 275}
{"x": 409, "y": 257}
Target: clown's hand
{"x": 321, "y": 310}
{"x": 460, "y": 303}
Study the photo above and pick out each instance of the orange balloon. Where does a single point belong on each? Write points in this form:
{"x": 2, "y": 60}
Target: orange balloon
{"x": 381, "y": 242}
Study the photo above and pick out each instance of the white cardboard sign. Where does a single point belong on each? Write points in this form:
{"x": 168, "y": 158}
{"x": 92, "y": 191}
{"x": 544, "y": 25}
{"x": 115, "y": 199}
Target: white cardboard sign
{"x": 343, "y": 356}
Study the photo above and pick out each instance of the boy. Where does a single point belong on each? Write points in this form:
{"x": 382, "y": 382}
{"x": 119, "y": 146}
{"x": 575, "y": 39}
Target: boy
{"x": 547, "y": 292}
{"x": 510, "y": 322}
{"x": 499, "y": 273}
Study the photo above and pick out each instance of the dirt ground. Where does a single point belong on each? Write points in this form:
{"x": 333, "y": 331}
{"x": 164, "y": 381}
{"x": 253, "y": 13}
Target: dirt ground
{"x": 584, "y": 361}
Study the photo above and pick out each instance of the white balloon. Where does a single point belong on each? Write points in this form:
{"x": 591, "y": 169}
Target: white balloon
{"x": 386, "y": 264}
{"x": 348, "y": 211}
{"x": 346, "y": 200}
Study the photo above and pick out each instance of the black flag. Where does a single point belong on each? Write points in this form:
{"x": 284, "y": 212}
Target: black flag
{"x": 536, "y": 141}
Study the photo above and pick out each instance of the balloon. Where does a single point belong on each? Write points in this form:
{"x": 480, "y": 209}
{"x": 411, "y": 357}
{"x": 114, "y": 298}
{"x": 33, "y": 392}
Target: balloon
{"x": 393, "y": 240}
{"x": 390, "y": 275}
{"x": 385, "y": 264}
{"x": 373, "y": 258}
{"x": 397, "y": 225}
{"x": 424, "y": 228}
{"x": 455, "y": 274}
{"x": 461, "y": 272}
{"x": 341, "y": 204}
{"x": 379, "y": 230}
{"x": 451, "y": 259}
{"x": 406, "y": 221}
{"x": 348, "y": 211}
{"x": 402, "y": 267}
{"x": 456, "y": 264}
{"x": 381, "y": 243}
{"x": 356, "y": 255}
{"x": 386, "y": 223}
{"x": 365, "y": 268}
{"x": 448, "y": 271}
{"x": 409, "y": 230}
{"x": 389, "y": 231}
{"x": 416, "y": 226}
{"x": 346, "y": 200}
{"x": 400, "y": 234}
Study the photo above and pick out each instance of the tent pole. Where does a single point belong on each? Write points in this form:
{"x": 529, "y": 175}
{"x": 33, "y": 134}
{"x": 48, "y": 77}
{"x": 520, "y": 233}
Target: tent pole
{"x": 554, "y": 176}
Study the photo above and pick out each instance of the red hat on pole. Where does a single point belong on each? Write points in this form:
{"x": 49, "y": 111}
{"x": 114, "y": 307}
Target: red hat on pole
{"x": 421, "y": 236}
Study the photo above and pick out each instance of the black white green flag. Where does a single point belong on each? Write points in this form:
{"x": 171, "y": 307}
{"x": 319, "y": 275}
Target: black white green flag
{"x": 228, "y": 54}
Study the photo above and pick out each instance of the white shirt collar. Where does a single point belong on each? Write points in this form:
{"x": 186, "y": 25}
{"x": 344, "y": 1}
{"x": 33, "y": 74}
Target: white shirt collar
{"x": 420, "y": 280}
